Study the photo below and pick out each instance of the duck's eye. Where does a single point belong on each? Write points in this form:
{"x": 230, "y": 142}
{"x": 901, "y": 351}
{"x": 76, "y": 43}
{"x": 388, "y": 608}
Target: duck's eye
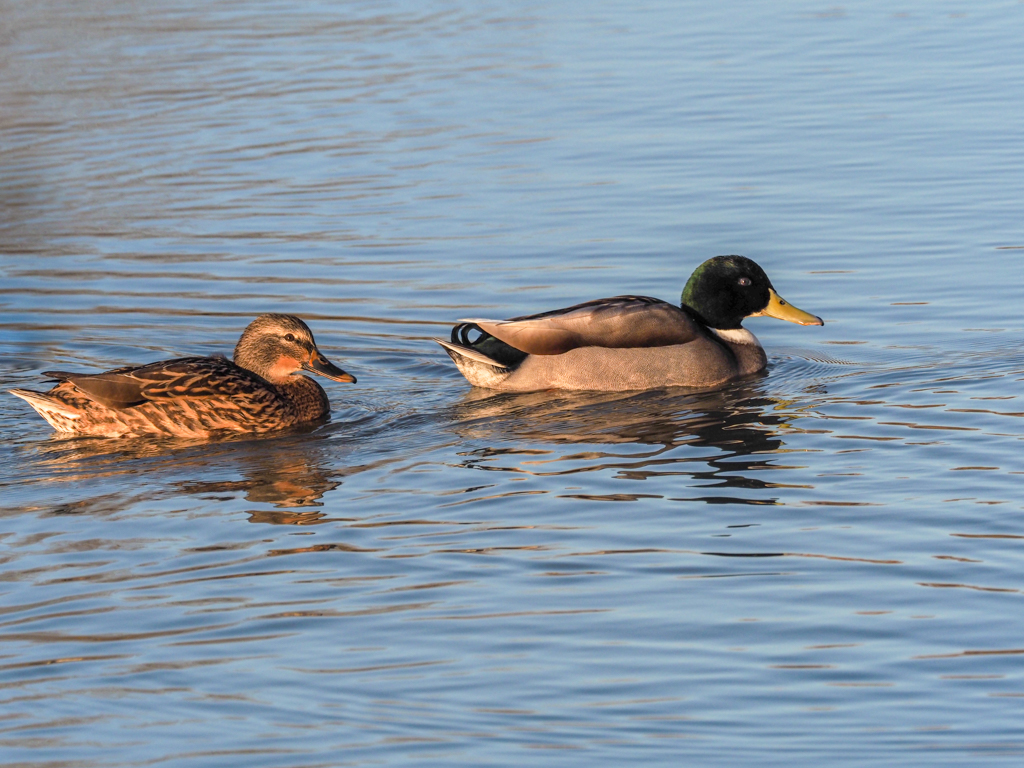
{"x": 744, "y": 281}
{"x": 289, "y": 337}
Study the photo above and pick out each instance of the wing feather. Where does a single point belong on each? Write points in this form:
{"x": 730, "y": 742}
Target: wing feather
{"x": 621, "y": 321}
{"x": 188, "y": 377}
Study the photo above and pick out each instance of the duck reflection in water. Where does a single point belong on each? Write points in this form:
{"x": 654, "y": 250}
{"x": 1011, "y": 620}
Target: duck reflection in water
{"x": 293, "y": 477}
{"x": 740, "y": 422}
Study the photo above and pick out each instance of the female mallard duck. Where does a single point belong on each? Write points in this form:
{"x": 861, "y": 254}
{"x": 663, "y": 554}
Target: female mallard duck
{"x": 631, "y": 342}
{"x": 197, "y": 397}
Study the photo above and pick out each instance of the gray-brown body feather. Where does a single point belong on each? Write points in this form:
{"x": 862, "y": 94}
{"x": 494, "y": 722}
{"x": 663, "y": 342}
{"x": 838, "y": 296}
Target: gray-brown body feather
{"x": 616, "y": 344}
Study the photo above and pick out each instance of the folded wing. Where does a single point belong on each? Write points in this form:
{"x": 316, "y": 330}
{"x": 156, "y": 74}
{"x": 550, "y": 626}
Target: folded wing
{"x": 622, "y": 321}
{"x": 191, "y": 377}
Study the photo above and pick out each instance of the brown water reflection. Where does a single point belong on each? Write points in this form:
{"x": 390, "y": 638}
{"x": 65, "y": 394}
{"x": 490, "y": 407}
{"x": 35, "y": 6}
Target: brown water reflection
{"x": 292, "y": 473}
{"x": 291, "y": 480}
{"x": 737, "y": 417}
{"x": 637, "y": 436}
{"x": 634, "y": 436}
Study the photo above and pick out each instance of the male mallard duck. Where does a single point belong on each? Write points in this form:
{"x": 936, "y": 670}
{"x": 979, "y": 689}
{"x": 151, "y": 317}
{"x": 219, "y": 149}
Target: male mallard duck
{"x": 199, "y": 396}
{"x": 631, "y": 342}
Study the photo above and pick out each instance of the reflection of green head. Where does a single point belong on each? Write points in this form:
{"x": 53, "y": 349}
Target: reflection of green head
{"x": 725, "y": 289}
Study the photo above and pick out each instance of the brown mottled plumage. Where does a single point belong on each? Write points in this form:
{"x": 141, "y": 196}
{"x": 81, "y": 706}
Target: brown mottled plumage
{"x": 197, "y": 397}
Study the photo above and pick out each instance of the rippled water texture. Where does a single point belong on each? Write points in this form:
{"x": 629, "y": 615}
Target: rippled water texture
{"x": 820, "y": 565}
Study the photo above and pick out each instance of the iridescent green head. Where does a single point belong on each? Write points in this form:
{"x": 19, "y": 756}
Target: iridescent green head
{"x": 724, "y": 290}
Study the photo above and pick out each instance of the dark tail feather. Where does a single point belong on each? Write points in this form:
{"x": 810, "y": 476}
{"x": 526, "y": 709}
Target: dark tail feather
{"x": 460, "y": 334}
{"x": 507, "y": 356}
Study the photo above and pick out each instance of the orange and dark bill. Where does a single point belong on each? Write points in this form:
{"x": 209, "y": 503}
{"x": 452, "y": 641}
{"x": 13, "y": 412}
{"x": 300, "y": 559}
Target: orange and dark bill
{"x": 320, "y": 365}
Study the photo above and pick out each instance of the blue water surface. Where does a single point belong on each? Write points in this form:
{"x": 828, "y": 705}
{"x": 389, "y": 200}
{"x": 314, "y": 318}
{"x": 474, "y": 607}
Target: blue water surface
{"x": 820, "y": 565}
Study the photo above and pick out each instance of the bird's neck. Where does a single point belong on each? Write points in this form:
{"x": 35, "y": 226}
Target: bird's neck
{"x": 306, "y": 395}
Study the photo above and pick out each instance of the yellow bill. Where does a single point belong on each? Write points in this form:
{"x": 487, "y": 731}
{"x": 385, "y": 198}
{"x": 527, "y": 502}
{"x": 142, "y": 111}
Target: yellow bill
{"x": 783, "y": 310}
